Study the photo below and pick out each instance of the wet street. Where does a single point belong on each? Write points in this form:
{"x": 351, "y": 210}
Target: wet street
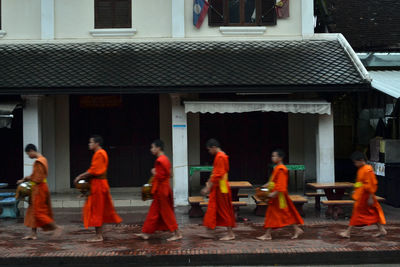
{"x": 121, "y": 245}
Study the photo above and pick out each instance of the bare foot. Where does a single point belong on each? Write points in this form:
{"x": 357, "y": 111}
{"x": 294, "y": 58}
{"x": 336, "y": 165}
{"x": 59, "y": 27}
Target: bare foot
{"x": 264, "y": 237}
{"x": 143, "y": 236}
{"x": 175, "y": 237}
{"x": 30, "y": 237}
{"x": 96, "y": 239}
{"x": 345, "y": 234}
{"x": 297, "y": 233}
{"x": 227, "y": 237}
{"x": 382, "y": 232}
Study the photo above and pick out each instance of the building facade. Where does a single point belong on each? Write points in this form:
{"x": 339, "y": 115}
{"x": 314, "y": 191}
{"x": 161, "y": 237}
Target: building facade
{"x": 254, "y": 75}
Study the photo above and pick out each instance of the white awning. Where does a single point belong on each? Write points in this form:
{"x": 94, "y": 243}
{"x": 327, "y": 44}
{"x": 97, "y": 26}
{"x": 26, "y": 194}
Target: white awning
{"x": 387, "y": 82}
{"x": 305, "y": 107}
{"x": 6, "y": 116}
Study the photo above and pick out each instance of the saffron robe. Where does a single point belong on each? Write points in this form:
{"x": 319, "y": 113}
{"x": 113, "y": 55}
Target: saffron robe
{"x": 366, "y": 185}
{"x": 99, "y": 208}
{"x": 161, "y": 215}
{"x": 281, "y": 210}
{"x": 220, "y": 209}
{"x": 39, "y": 212}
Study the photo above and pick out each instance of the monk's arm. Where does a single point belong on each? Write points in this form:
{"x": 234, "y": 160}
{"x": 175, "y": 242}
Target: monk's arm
{"x": 370, "y": 186}
{"x": 279, "y": 184}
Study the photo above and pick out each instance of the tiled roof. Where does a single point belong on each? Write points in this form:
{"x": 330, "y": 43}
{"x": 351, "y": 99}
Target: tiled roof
{"x": 230, "y": 66}
{"x": 368, "y": 25}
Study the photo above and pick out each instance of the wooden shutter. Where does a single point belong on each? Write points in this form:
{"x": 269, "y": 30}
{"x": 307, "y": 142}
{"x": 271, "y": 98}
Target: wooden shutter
{"x": 216, "y": 13}
{"x": 113, "y": 14}
{"x": 267, "y": 12}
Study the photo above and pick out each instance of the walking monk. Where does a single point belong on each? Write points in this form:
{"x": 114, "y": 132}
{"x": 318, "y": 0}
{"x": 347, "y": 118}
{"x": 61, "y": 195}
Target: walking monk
{"x": 98, "y": 208}
{"x": 281, "y": 211}
{"x": 220, "y": 210}
{"x": 161, "y": 216}
{"x": 39, "y": 212}
{"x": 366, "y": 210}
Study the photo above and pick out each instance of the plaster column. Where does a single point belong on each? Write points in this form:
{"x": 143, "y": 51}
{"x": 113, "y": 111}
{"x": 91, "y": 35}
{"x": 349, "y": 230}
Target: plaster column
{"x": 32, "y": 128}
{"x": 178, "y": 18}
{"x": 47, "y": 19}
{"x": 325, "y": 149}
{"x": 179, "y": 151}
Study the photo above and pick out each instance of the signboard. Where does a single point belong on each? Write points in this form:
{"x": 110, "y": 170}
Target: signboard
{"x": 379, "y": 168}
{"x": 108, "y": 101}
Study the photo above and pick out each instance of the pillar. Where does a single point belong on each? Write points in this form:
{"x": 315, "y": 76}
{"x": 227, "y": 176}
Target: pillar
{"x": 32, "y": 133}
{"x": 179, "y": 151}
{"x": 178, "y": 18}
{"x": 325, "y": 149}
{"x": 47, "y": 19}
{"x": 307, "y": 18}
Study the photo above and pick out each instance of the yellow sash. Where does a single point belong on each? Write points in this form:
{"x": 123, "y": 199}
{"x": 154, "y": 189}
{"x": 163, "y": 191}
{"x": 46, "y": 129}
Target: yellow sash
{"x": 282, "y": 200}
{"x": 223, "y": 184}
{"x": 33, "y": 183}
{"x": 358, "y": 185}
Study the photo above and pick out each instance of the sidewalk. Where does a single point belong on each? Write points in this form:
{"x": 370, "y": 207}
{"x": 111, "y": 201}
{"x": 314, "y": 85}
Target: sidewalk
{"x": 319, "y": 245}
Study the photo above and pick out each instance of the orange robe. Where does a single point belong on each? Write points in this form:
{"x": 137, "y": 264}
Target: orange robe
{"x": 99, "y": 208}
{"x": 220, "y": 210}
{"x": 366, "y": 184}
{"x": 281, "y": 210}
{"x": 39, "y": 212}
{"x": 161, "y": 215}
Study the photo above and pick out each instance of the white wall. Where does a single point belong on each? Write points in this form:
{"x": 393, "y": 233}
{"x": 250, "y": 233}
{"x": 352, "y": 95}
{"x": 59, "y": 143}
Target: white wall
{"x": 21, "y": 19}
{"x": 75, "y": 18}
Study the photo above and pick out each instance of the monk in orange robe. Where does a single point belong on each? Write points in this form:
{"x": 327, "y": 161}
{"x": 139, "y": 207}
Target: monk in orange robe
{"x": 220, "y": 210}
{"x": 161, "y": 215}
{"x": 366, "y": 210}
{"x": 99, "y": 208}
{"x": 281, "y": 211}
{"x": 39, "y": 213}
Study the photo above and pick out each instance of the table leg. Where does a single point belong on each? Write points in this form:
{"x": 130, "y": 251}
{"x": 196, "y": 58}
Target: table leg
{"x": 334, "y": 194}
{"x": 196, "y": 211}
{"x": 235, "y": 193}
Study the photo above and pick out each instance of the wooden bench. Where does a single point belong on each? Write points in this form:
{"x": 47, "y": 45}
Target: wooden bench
{"x": 7, "y": 194}
{"x": 9, "y": 208}
{"x": 195, "y": 209}
{"x": 343, "y": 203}
{"x": 243, "y": 195}
{"x": 234, "y": 203}
{"x": 297, "y": 200}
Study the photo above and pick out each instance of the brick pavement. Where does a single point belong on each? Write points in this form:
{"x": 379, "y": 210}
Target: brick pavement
{"x": 319, "y": 244}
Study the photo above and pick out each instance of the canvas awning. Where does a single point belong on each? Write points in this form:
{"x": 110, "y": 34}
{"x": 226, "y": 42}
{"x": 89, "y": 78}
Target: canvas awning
{"x": 6, "y": 116}
{"x": 387, "y": 82}
{"x": 305, "y": 107}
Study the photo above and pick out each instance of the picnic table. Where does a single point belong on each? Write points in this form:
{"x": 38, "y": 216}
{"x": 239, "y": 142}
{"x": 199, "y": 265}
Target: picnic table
{"x": 236, "y": 186}
{"x": 333, "y": 191}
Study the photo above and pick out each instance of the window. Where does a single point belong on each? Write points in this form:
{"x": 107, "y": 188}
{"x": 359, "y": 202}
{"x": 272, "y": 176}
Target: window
{"x": 112, "y": 14}
{"x": 241, "y": 12}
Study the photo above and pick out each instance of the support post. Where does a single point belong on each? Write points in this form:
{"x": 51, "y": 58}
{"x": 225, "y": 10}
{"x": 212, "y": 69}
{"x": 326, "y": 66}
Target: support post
{"x": 325, "y": 149}
{"x": 32, "y": 133}
{"x": 47, "y": 19}
{"x": 179, "y": 151}
{"x": 178, "y": 18}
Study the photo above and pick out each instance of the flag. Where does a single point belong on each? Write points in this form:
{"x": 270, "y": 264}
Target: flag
{"x": 200, "y": 8}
